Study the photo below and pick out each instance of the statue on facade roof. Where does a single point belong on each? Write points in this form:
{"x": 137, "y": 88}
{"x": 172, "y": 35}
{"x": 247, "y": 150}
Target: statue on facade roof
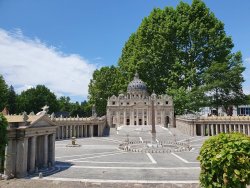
{"x": 25, "y": 117}
{"x": 45, "y": 108}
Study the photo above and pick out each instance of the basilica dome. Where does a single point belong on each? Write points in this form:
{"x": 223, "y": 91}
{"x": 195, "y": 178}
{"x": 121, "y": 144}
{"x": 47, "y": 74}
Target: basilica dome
{"x": 136, "y": 84}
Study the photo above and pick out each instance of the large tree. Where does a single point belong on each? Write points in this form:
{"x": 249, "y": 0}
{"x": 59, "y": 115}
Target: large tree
{"x": 105, "y": 82}
{"x": 3, "y": 139}
{"x": 178, "y": 51}
{"x": 3, "y": 93}
{"x": 35, "y": 98}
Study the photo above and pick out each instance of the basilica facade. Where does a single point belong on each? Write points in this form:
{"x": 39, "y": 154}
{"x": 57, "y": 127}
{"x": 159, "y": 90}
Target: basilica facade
{"x": 136, "y": 107}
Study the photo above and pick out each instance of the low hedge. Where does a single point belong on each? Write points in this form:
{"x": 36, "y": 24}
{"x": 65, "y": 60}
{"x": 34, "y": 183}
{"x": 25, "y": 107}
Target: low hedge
{"x": 225, "y": 161}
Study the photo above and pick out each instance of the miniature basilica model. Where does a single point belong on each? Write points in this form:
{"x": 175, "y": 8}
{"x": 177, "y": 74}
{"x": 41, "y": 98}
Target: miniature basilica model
{"x": 136, "y": 107}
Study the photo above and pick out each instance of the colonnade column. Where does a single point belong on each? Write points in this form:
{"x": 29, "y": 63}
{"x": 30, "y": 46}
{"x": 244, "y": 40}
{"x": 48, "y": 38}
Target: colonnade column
{"x": 32, "y": 154}
{"x": 85, "y": 131}
{"x": 69, "y": 130}
{"x": 209, "y": 129}
{"x": 248, "y": 129}
{"x": 45, "y": 150}
{"x": 8, "y": 163}
{"x": 217, "y": 129}
{"x": 91, "y": 130}
{"x": 221, "y": 129}
{"x": 230, "y": 128}
{"x": 202, "y": 130}
{"x": 244, "y": 129}
{"x": 212, "y": 131}
{"x": 21, "y": 158}
{"x": 78, "y": 131}
{"x": 52, "y": 150}
{"x": 62, "y": 132}
{"x": 234, "y": 127}
{"x": 225, "y": 128}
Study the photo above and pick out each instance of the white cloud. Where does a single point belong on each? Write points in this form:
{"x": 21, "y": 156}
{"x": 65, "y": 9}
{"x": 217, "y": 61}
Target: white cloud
{"x": 25, "y": 63}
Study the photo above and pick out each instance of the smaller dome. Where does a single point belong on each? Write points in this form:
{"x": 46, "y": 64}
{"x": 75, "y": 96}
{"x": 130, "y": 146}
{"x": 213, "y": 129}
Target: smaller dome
{"x": 136, "y": 84}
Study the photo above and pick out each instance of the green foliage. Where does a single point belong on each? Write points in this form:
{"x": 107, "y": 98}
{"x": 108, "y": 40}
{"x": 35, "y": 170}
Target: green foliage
{"x": 3, "y": 139}
{"x": 12, "y": 100}
{"x": 35, "y": 98}
{"x": 106, "y": 82}
{"x": 185, "y": 51}
{"x": 3, "y": 93}
{"x": 74, "y": 109}
{"x": 225, "y": 161}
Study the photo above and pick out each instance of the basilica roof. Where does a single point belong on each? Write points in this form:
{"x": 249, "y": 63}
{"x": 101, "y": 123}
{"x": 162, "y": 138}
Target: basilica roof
{"x": 136, "y": 84}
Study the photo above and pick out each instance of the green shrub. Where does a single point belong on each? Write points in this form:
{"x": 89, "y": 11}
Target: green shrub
{"x": 3, "y": 139}
{"x": 225, "y": 161}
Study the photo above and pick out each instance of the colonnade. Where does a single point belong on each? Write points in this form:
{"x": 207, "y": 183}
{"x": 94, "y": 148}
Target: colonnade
{"x": 78, "y": 131}
{"x": 214, "y": 129}
{"x": 211, "y": 126}
{"x": 26, "y": 154}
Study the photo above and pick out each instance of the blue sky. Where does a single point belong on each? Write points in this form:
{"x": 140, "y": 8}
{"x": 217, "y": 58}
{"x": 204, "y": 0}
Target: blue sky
{"x": 60, "y": 43}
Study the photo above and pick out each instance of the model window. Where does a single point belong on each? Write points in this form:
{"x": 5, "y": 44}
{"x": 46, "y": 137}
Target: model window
{"x": 113, "y": 102}
{"x": 166, "y": 102}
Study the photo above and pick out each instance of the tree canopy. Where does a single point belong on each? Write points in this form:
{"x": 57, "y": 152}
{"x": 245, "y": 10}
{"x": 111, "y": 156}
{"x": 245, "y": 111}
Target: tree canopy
{"x": 35, "y": 98}
{"x": 184, "y": 52}
{"x": 3, "y": 93}
{"x": 106, "y": 82}
{"x": 3, "y": 139}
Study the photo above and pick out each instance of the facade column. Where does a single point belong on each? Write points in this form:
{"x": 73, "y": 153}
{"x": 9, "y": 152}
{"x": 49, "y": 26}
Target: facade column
{"x": 234, "y": 127}
{"x": 147, "y": 116}
{"x": 133, "y": 117}
{"x": 230, "y": 128}
{"x": 137, "y": 116}
{"x": 124, "y": 117}
{"x": 45, "y": 151}
{"x": 9, "y": 168}
{"x": 33, "y": 154}
{"x": 21, "y": 157}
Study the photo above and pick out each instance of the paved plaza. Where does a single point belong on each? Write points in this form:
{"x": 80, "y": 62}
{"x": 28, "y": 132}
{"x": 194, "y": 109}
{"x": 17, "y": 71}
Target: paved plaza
{"x": 99, "y": 159}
